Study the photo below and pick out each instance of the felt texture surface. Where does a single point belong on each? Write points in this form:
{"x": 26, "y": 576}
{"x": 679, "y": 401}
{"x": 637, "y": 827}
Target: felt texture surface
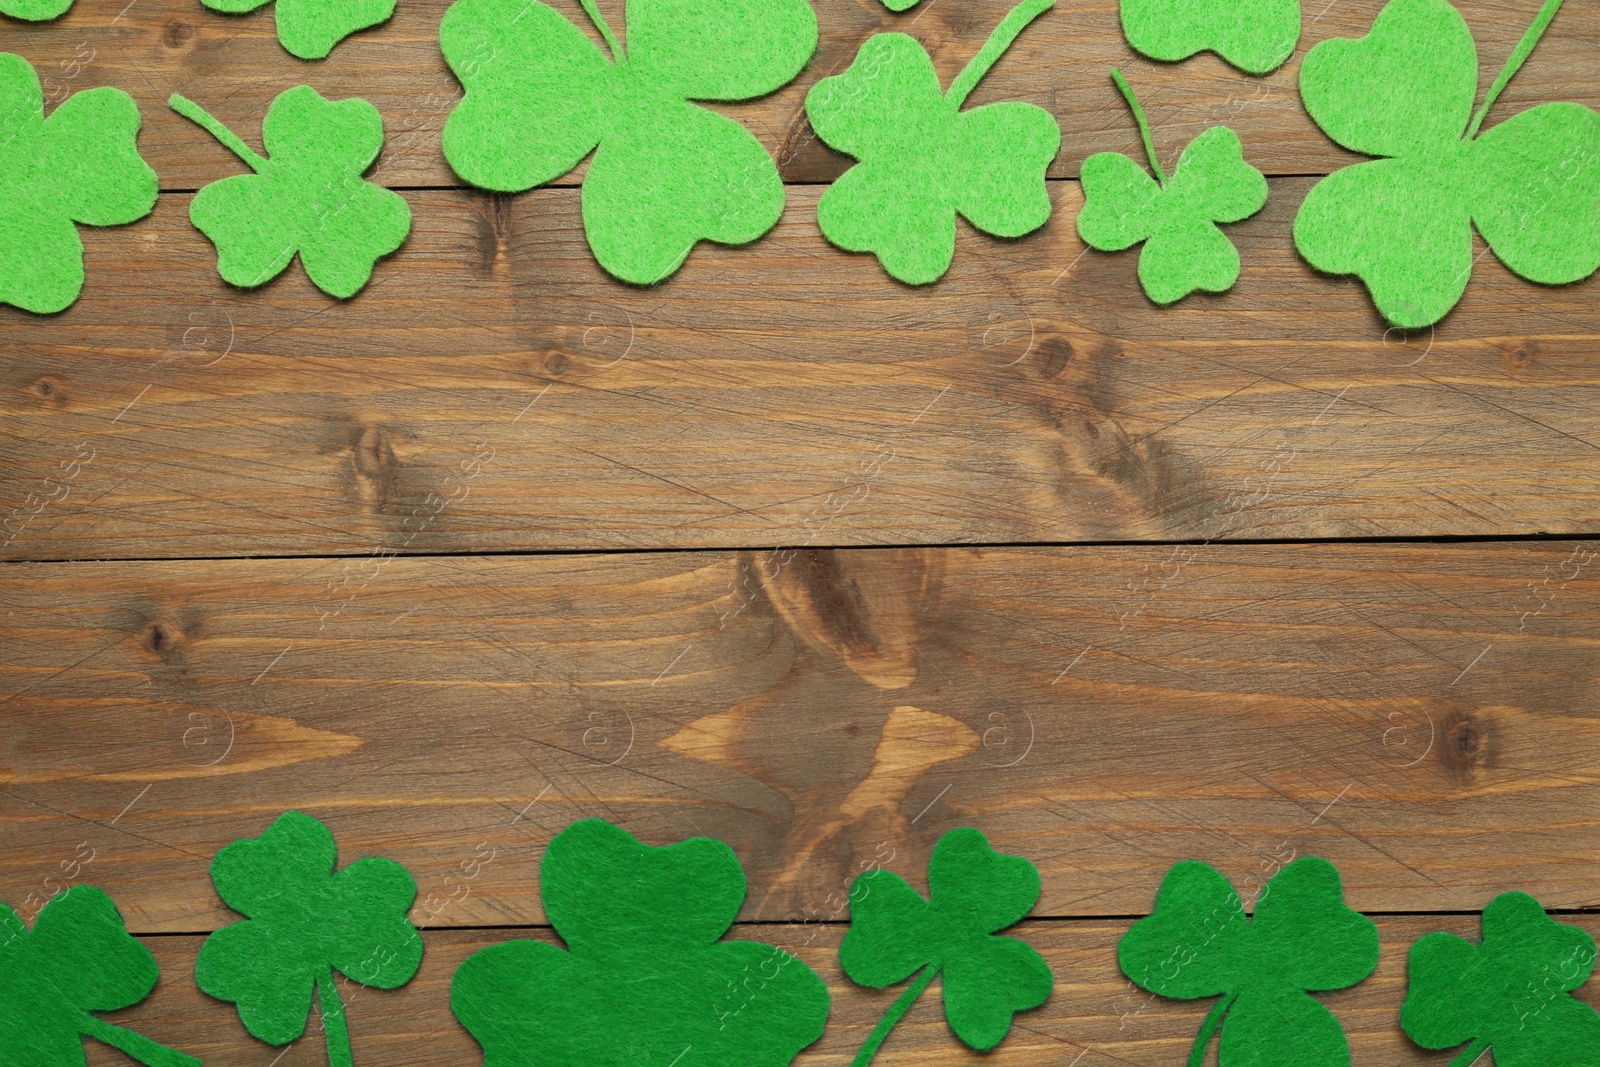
{"x": 667, "y": 173}
{"x": 1511, "y": 993}
{"x": 922, "y": 160}
{"x": 1403, "y": 223}
{"x": 305, "y": 922}
{"x": 1302, "y": 938}
{"x": 1254, "y": 35}
{"x": 1175, "y": 218}
{"x": 306, "y": 197}
{"x": 77, "y": 960}
{"x": 973, "y": 892}
{"x": 308, "y": 29}
{"x": 34, "y": 10}
{"x": 81, "y": 165}
{"x": 645, "y": 977}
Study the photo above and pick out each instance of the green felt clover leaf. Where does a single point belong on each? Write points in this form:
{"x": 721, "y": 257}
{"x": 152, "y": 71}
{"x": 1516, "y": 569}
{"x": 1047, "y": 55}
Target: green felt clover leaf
{"x": 1403, "y": 223}
{"x": 1511, "y": 993}
{"x": 34, "y": 10}
{"x": 973, "y": 892}
{"x": 308, "y": 29}
{"x": 304, "y": 921}
{"x": 80, "y": 165}
{"x": 1175, "y": 218}
{"x": 666, "y": 173}
{"x": 645, "y": 977}
{"x": 77, "y": 960}
{"x": 308, "y": 197}
{"x": 923, "y": 160}
{"x": 1302, "y": 938}
{"x": 1254, "y": 35}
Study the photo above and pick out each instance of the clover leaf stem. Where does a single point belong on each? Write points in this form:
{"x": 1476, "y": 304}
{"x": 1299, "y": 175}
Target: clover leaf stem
{"x": 336, "y": 1032}
{"x": 141, "y": 1048}
{"x": 1144, "y": 127}
{"x": 1470, "y": 1056}
{"x": 198, "y": 115}
{"x": 995, "y": 47}
{"x": 599, "y": 20}
{"x": 896, "y": 1011}
{"x": 1197, "y": 1054}
{"x": 1519, "y": 56}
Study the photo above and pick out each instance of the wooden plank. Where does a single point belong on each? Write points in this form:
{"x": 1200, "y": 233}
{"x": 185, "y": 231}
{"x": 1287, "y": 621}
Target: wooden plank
{"x": 1095, "y": 1013}
{"x": 1422, "y": 715}
{"x": 494, "y": 389}
{"x": 234, "y": 66}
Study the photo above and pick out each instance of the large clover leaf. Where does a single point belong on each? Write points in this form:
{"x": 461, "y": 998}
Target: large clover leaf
{"x": 923, "y": 159}
{"x": 78, "y": 959}
{"x": 308, "y": 29}
{"x": 34, "y": 10}
{"x": 645, "y": 977}
{"x": 1301, "y": 939}
{"x": 1403, "y": 223}
{"x": 78, "y": 166}
{"x": 666, "y": 173}
{"x": 305, "y": 921}
{"x": 1510, "y": 993}
{"x": 974, "y": 892}
{"x": 1254, "y": 35}
{"x": 308, "y": 197}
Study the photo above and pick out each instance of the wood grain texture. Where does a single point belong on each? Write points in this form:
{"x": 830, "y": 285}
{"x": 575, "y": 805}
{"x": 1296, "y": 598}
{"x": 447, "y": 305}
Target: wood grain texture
{"x": 493, "y": 389}
{"x": 234, "y": 66}
{"x": 1421, "y": 715}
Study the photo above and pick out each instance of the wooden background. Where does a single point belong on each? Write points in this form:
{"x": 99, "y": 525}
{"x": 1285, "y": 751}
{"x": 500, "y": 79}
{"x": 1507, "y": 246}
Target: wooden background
{"x": 783, "y": 552}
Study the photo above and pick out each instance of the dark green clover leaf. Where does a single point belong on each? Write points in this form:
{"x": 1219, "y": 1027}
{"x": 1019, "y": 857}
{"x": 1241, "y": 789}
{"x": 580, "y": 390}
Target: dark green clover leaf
{"x": 645, "y": 978}
{"x": 308, "y": 197}
{"x": 1301, "y": 939}
{"x": 1175, "y": 217}
{"x": 1254, "y": 35}
{"x": 1403, "y": 223}
{"x": 973, "y": 892}
{"x": 923, "y": 159}
{"x": 305, "y": 921}
{"x": 78, "y": 166}
{"x": 78, "y": 959}
{"x": 1510, "y": 993}
{"x": 666, "y": 173}
{"x": 308, "y": 29}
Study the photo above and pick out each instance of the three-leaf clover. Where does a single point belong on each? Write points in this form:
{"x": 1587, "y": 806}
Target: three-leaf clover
{"x": 1302, "y": 938}
{"x": 1510, "y": 993}
{"x": 666, "y": 173}
{"x": 304, "y": 921}
{"x": 1176, "y": 217}
{"x": 645, "y": 977}
{"x": 308, "y": 197}
{"x": 973, "y": 892}
{"x": 78, "y": 166}
{"x": 1254, "y": 35}
{"x": 308, "y": 29}
{"x": 78, "y": 959}
{"x": 1403, "y": 223}
{"x": 923, "y": 159}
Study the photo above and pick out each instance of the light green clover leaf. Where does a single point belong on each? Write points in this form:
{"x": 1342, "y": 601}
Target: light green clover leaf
{"x": 308, "y": 29}
{"x": 922, "y": 160}
{"x": 308, "y": 196}
{"x": 1254, "y": 35}
{"x": 1174, "y": 217}
{"x": 1403, "y": 223}
{"x": 81, "y": 165}
{"x": 34, "y": 10}
{"x": 666, "y": 173}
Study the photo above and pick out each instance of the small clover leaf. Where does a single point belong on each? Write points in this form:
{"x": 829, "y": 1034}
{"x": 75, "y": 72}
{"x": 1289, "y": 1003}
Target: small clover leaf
{"x": 1301, "y": 939}
{"x": 308, "y": 197}
{"x": 1255, "y": 36}
{"x": 81, "y": 165}
{"x": 922, "y": 160}
{"x": 1403, "y": 223}
{"x": 1509, "y": 993}
{"x": 645, "y": 977}
{"x": 974, "y": 892}
{"x": 77, "y": 960}
{"x": 305, "y": 920}
{"x": 666, "y": 173}
{"x": 308, "y": 29}
{"x": 1175, "y": 218}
